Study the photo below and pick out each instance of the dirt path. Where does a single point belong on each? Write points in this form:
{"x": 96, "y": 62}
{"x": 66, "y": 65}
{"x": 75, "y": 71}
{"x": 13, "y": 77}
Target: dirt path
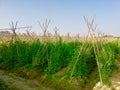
{"x": 18, "y": 83}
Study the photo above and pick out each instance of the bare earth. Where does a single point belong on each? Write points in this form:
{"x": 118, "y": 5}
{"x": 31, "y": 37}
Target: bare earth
{"x": 18, "y": 83}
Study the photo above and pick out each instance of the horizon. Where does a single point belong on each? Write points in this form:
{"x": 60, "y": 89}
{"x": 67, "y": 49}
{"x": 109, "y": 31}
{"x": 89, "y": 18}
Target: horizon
{"x": 66, "y": 15}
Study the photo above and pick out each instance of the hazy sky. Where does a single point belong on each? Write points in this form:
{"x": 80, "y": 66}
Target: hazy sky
{"x": 67, "y": 15}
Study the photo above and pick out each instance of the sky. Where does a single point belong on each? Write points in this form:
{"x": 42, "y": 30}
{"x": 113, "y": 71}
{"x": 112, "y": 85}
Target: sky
{"x": 66, "y": 15}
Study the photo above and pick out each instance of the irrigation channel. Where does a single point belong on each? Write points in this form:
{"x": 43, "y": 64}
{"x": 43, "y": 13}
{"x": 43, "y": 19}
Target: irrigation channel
{"x": 9, "y": 81}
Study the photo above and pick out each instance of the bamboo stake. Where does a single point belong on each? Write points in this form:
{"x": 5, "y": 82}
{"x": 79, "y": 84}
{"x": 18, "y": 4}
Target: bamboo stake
{"x": 91, "y": 30}
{"x": 44, "y": 27}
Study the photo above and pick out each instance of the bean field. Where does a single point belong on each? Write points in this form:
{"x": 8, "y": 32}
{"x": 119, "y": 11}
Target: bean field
{"x": 61, "y": 64}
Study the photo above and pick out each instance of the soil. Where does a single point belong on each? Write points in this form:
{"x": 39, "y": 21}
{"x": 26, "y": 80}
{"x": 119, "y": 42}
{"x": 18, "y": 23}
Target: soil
{"x": 17, "y": 83}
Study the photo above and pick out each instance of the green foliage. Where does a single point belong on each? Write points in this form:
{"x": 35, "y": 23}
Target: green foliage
{"x": 60, "y": 55}
{"x": 8, "y": 55}
{"x": 21, "y": 49}
{"x": 3, "y": 86}
{"x": 40, "y": 60}
{"x": 51, "y": 57}
{"x": 85, "y": 64}
{"x": 113, "y": 47}
{"x": 106, "y": 60}
{"x": 29, "y": 67}
{"x": 3, "y": 53}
